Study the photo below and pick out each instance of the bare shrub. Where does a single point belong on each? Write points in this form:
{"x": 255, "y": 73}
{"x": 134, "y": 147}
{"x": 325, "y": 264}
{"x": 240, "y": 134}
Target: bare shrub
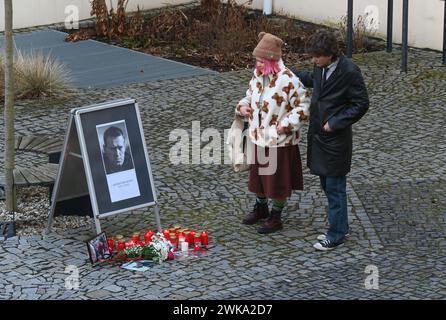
{"x": 361, "y": 32}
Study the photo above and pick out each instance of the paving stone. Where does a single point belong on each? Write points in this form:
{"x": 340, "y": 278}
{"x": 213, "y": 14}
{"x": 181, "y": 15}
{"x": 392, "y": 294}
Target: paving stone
{"x": 396, "y": 201}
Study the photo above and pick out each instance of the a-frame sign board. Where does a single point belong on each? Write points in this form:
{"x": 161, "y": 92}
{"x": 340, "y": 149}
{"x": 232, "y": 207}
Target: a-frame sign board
{"x": 105, "y": 157}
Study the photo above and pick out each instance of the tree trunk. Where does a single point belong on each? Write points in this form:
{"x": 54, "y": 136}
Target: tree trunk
{"x": 11, "y": 203}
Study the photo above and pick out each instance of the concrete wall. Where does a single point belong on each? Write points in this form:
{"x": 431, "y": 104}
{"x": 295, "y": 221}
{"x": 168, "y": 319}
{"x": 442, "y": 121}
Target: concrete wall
{"x": 425, "y": 16}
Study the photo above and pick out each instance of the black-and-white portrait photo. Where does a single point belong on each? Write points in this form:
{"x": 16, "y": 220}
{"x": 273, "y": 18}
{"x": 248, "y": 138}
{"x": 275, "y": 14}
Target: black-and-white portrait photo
{"x": 116, "y": 151}
{"x": 118, "y": 161}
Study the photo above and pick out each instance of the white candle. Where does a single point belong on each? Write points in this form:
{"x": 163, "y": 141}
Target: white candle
{"x": 184, "y": 246}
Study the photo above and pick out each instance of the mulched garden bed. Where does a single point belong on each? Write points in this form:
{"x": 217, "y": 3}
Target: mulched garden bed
{"x": 212, "y": 35}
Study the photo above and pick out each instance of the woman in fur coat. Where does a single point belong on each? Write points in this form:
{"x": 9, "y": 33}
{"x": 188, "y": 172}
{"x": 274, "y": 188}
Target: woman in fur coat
{"x": 276, "y": 105}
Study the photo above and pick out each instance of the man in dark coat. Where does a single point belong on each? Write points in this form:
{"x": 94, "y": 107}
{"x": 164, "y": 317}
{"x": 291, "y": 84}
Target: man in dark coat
{"x": 339, "y": 100}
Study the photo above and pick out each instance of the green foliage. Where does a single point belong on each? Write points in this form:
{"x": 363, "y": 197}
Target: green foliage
{"x": 149, "y": 253}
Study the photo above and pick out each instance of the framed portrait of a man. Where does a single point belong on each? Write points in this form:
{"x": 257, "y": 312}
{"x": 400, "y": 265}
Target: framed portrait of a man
{"x": 105, "y": 159}
{"x": 115, "y": 157}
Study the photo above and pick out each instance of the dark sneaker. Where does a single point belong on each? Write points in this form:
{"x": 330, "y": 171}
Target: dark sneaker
{"x": 322, "y": 237}
{"x": 260, "y": 212}
{"x": 273, "y": 224}
{"x": 327, "y": 245}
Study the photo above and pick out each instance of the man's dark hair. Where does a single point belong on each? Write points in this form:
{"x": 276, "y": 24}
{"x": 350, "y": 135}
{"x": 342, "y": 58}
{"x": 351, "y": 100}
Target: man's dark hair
{"x": 323, "y": 43}
{"x": 112, "y": 132}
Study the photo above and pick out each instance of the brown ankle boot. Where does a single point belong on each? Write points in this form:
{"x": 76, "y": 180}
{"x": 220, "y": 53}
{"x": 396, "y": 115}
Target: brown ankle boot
{"x": 260, "y": 212}
{"x": 273, "y": 224}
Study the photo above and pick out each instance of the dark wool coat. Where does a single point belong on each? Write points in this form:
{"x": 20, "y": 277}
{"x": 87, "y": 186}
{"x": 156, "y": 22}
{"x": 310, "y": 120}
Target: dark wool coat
{"x": 342, "y": 101}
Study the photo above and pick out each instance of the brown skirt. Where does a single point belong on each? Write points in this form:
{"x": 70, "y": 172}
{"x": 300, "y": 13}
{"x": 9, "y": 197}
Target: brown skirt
{"x": 286, "y": 178}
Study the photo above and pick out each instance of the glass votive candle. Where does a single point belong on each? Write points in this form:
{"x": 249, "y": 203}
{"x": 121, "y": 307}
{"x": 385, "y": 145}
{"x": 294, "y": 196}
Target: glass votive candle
{"x": 181, "y": 238}
{"x": 204, "y": 239}
{"x": 191, "y": 239}
{"x": 184, "y": 246}
{"x": 173, "y": 240}
{"x": 121, "y": 245}
{"x": 148, "y": 236}
{"x": 136, "y": 237}
{"x": 166, "y": 234}
{"x": 186, "y": 235}
{"x": 111, "y": 245}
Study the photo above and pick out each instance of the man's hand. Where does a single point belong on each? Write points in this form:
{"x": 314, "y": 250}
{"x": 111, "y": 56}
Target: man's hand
{"x": 327, "y": 127}
{"x": 246, "y": 111}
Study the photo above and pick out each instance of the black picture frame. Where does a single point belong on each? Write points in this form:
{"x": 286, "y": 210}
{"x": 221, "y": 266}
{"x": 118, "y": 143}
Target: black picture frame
{"x": 108, "y": 197}
{"x": 98, "y": 248}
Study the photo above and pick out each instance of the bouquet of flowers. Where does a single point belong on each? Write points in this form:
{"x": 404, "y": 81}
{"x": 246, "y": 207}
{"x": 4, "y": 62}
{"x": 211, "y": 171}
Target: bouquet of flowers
{"x": 159, "y": 250}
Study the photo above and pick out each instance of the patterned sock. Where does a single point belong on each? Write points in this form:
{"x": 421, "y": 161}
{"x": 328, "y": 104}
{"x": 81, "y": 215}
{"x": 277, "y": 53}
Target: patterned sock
{"x": 261, "y": 200}
{"x": 278, "y": 205}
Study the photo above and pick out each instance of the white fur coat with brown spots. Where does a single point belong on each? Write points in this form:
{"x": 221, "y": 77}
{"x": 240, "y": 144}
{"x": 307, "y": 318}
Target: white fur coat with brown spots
{"x": 278, "y": 99}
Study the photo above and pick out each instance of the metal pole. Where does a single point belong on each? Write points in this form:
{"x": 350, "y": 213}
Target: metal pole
{"x": 405, "y": 32}
{"x": 350, "y": 28}
{"x": 444, "y": 34}
{"x": 389, "y": 24}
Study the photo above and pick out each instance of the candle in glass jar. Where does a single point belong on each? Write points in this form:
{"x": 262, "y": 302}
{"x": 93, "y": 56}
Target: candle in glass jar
{"x": 184, "y": 246}
{"x": 173, "y": 240}
{"x": 166, "y": 234}
{"x": 136, "y": 237}
{"x": 204, "y": 239}
{"x": 191, "y": 239}
{"x": 148, "y": 236}
{"x": 121, "y": 245}
{"x": 111, "y": 245}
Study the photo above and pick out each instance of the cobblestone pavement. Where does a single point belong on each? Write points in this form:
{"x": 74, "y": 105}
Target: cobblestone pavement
{"x": 396, "y": 202}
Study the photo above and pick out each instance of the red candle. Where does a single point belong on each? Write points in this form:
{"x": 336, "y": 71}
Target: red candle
{"x": 111, "y": 245}
{"x": 173, "y": 240}
{"x": 204, "y": 239}
{"x": 121, "y": 245}
{"x": 191, "y": 238}
{"x": 136, "y": 237}
{"x": 166, "y": 234}
{"x": 148, "y": 236}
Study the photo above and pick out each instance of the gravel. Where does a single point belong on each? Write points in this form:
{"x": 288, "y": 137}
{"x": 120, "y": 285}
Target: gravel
{"x": 32, "y": 213}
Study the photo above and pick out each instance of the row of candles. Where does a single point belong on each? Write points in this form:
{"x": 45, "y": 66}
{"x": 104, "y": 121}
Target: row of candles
{"x": 181, "y": 239}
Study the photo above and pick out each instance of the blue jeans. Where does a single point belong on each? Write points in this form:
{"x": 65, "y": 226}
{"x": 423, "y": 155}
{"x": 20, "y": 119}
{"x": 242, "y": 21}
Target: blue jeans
{"x": 335, "y": 190}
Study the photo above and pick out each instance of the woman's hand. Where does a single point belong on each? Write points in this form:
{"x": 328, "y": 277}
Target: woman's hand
{"x": 280, "y": 129}
{"x": 246, "y": 111}
{"x": 327, "y": 127}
